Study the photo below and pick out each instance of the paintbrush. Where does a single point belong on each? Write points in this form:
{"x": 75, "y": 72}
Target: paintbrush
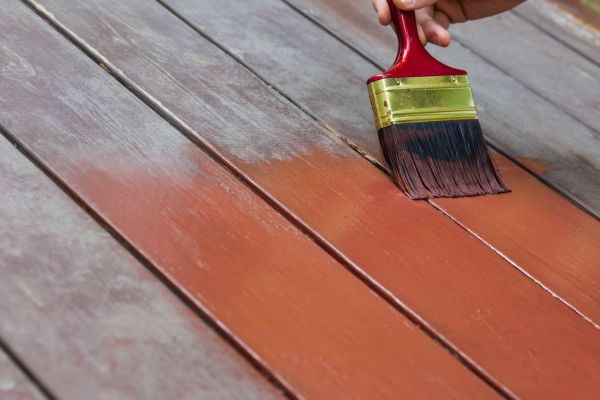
{"x": 428, "y": 128}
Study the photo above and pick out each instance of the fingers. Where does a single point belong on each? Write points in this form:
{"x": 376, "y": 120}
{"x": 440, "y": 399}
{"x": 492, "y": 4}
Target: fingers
{"x": 383, "y": 11}
{"x": 422, "y": 36}
{"x": 434, "y": 26}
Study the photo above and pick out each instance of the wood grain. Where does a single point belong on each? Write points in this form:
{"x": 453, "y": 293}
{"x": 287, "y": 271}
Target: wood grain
{"x": 86, "y": 317}
{"x": 297, "y": 311}
{"x": 547, "y": 67}
{"x": 14, "y": 385}
{"x": 555, "y": 21}
{"x": 461, "y": 290}
{"x": 543, "y": 234}
{"x": 587, "y": 11}
{"x": 515, "y": 119}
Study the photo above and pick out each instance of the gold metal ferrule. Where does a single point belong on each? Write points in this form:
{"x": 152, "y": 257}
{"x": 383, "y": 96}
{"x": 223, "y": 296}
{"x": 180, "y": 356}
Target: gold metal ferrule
{"x": 421, "y": 99}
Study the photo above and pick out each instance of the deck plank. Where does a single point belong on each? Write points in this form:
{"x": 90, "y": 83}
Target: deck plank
{"x": 561, "y": 19}
{"x": 14, "y": 384}
{"x": 407, "y": 248}
{"x": 557, "y": 73}
{"x": 319, "y": 330}
{"x": 87, "y": 317}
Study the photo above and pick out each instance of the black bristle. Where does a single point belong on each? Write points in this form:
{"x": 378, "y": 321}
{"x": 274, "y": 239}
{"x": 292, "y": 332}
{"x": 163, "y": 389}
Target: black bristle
{"x": 440, "y": 159}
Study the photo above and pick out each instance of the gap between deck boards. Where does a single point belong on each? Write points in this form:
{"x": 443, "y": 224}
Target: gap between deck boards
{"x": 21, "y": 367}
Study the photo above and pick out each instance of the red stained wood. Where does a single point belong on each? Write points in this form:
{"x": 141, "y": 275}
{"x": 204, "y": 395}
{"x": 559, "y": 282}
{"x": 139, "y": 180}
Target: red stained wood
{"x": 14, "y": 385}
{"x": 460, "y": 289}
{"x": 76, "y": 307}
{"x": 539, "y": 230}
{"x": 320, "y": 330}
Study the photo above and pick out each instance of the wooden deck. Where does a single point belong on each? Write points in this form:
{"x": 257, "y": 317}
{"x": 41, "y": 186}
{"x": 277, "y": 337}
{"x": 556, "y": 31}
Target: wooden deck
{"x": 193, "y": 205}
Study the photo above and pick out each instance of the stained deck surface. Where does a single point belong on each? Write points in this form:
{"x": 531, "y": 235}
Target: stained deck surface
{"x": 193, "y": 205}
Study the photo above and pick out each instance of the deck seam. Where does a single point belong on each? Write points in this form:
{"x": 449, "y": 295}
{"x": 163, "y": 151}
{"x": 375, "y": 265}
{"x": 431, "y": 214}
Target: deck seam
{"x": 517, "y": 266}
{"x": 523, "y": 16}
{"x": 319, "y": 240}
{"x": 25, "y": 370}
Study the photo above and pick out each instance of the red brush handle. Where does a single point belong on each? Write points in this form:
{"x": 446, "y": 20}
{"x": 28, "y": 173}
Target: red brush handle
{"x": 412, "y": 59}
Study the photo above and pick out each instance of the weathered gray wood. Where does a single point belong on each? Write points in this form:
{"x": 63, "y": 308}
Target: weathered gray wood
{"x": 542, "y": 64}
{"x": 405, "y": 247}
{"x": 287, "y": 302}
{"x": 563, "y": 26}
{"x": 517, "y": 121}
{"x": 14, "y": 384}
{"x": 87, "y": 317}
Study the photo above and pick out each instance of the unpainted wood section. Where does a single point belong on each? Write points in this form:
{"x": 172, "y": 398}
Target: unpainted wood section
{"x": 86, "y": 317}
{"x": 551, "y": 17}
{"x": 318, "y": 329}
{"x": 546, "y": 66}
{"x": 14, "y": 384}
{"x": 423, "y": 262}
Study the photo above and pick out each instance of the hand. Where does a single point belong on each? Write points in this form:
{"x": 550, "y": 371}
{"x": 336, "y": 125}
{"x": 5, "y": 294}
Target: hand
{"x": 435, "y": 16}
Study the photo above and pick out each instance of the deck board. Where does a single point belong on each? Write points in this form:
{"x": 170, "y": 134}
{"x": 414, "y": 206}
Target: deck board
{"x": 14, "y": 384}
{"x": 267, "y": 285}
{"x": 344, "y": 199}
{"x": 86, "y": 317}
{"x": 555, "y": 72}
{"x": 551, "y": 17}
{"x": 573, "y": 23}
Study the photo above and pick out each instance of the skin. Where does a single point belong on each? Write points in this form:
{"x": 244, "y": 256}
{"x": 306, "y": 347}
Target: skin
{"x": 435, "y": 16}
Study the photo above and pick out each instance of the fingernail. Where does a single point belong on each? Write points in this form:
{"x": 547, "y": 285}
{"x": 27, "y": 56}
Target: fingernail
{"x": 409, "y": 3}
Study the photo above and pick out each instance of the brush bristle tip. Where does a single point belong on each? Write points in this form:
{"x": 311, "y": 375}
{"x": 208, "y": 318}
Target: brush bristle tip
{"x": 440, "y": 159}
